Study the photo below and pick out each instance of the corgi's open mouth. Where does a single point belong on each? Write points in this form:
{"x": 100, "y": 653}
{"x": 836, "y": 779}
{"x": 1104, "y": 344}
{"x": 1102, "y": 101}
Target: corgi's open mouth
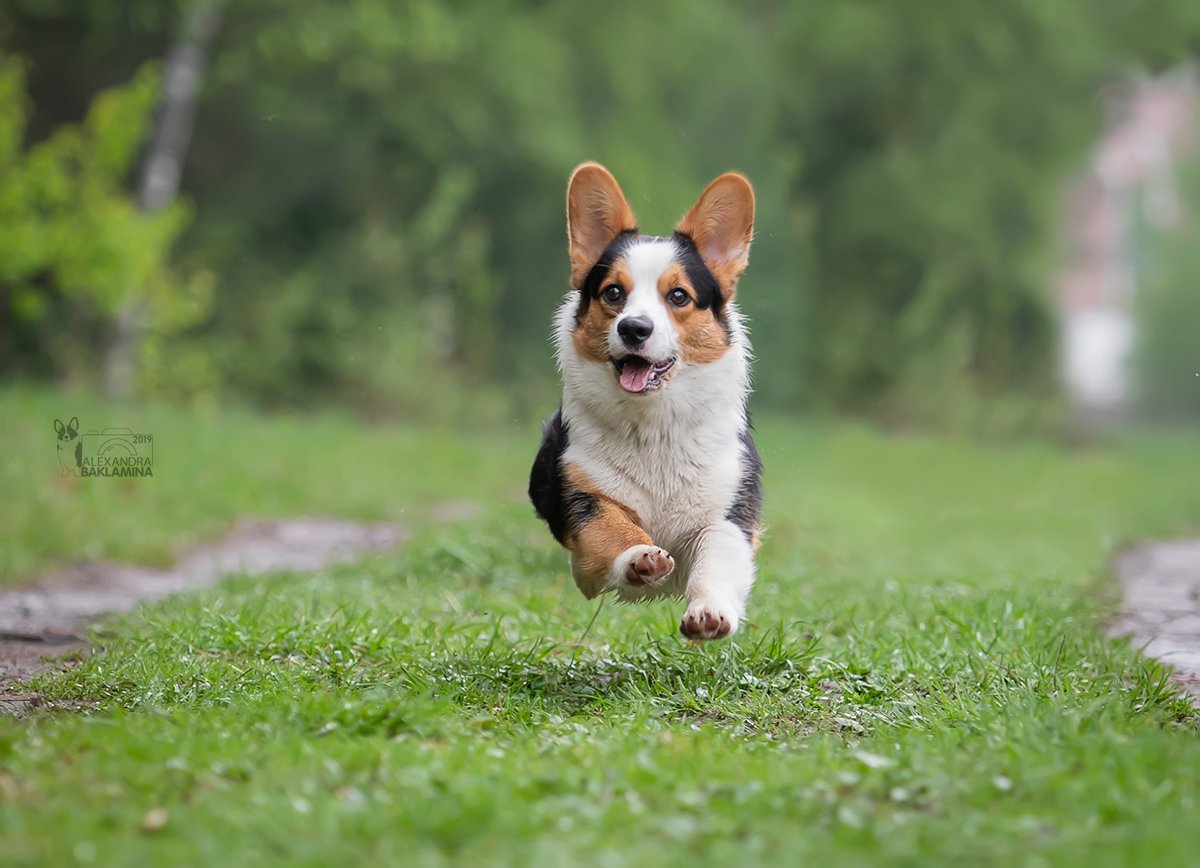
{"x": 638, "y": 375}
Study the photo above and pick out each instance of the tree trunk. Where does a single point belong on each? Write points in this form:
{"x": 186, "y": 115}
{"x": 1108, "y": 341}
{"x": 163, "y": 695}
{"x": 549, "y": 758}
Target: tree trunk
{"x": 162, "y": 169}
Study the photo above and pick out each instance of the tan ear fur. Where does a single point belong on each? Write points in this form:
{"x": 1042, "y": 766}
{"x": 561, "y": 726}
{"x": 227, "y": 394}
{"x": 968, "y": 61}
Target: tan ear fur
{"x": 596, "y": 214}
{"x": 721, "y": 224}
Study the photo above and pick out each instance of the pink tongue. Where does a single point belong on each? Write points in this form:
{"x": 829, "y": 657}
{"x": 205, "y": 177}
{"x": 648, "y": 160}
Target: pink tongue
{"x": 635, "y": 375}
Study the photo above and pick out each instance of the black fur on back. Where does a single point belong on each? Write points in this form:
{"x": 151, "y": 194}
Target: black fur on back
{"x": 562, "y": 506}
{"x": 746, "y": 510}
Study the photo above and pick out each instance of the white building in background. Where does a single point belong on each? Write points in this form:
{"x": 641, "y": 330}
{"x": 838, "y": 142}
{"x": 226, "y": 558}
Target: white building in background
{"x": 1130, "y": 181}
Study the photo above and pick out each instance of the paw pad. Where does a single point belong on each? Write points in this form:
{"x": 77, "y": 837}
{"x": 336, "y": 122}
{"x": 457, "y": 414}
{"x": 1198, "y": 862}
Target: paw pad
{"x": 648, "y": 565}
{"x": 704, "y": 622}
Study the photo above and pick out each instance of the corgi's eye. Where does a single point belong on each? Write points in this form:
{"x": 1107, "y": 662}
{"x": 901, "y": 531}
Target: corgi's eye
{"x": 613, "y": 294}
{"x": 678, "y": 297}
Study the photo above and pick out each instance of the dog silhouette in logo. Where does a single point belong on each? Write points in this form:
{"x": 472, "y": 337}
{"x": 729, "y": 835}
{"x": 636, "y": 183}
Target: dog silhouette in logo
{"x": 68, "y": 442}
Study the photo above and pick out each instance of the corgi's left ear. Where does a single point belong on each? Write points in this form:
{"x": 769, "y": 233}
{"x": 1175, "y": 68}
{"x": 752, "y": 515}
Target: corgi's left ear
{"x": 721, "y": 224}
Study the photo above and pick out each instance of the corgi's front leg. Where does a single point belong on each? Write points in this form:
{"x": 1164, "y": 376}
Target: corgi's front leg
{"x": 610, "y": 551}
{"x": 720, "y": 581}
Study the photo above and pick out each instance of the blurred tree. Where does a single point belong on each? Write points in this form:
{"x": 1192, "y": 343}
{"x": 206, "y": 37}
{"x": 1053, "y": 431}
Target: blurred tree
{"x": 379, "y": 185}
{"x": 74, "y": 247}
{"x": 383, "y": 183}
{"x": 162, "y": 168}
{"x": 74, "y": 50}
{"x": 361, "y": 164}
{"x": 933, "y": 139}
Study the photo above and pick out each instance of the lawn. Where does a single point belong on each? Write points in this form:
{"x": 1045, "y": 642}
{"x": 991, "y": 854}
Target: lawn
{"x": 925, "y": 678}
{"x": 210, "y": 469}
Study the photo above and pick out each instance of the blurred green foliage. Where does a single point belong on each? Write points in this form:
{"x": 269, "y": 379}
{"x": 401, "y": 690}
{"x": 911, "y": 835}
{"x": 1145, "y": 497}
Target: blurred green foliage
{"x": 935, "y": 138}
{"x": 75, "y": 247}
{"x": 1167, "y": 351}
{"x": 378, "y": 186}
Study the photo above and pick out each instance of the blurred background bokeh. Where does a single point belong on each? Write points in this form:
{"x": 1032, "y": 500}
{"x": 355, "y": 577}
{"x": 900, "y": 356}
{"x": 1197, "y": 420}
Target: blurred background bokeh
{"x": 973, "y": 217}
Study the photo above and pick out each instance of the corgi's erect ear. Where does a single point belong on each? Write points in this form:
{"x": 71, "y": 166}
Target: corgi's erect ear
{"x": 596, "y": 214}
{"x": 59, "y": 428}
{"x": 721, "y": 224}
{"x": 73, "y": 426}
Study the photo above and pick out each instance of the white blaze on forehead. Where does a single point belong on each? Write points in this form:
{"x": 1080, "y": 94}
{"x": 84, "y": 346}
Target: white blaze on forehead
{"x": 646, "y": 261}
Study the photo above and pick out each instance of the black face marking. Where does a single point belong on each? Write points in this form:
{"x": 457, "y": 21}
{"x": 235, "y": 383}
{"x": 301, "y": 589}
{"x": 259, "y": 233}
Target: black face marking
{"x": 561, "y": 506}
{"x": 703, "y": 281}
{"x": 746, "y": 509}
{"x": 594, "y": 282}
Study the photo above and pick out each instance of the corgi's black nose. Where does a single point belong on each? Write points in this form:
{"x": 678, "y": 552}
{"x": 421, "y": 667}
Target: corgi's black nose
{"x": 634, "y": 330}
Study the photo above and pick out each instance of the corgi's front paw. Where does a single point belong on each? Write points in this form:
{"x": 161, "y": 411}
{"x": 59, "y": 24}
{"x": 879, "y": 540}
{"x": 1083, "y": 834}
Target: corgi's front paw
{"x": 708, "y": 620}
{"x": 644, "y": 565}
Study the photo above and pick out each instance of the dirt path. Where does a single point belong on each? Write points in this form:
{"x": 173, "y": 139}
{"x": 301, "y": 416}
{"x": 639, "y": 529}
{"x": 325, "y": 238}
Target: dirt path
{"x": 1160, "y": 608}
{"x": 49, "y": 619}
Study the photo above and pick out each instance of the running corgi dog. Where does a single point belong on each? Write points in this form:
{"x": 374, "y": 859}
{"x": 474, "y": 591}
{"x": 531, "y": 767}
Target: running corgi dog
{"x": 648, "y": 473}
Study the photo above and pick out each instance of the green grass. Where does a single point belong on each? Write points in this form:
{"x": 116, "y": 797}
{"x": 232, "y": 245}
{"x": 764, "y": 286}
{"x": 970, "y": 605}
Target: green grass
{"x": 210, "y": 469}
{"x": 925, "y": 679}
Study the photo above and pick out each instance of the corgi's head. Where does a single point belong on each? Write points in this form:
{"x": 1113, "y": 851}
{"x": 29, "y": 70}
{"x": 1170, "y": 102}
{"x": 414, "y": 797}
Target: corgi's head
{"x": 66, "y": 432}
{"x": 647, "y": 307}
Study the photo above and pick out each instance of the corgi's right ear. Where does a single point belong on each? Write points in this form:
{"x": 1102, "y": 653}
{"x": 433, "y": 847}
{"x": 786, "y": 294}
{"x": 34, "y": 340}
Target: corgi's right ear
{"x": 59, "y": 428}
{"x": 73, "y": 426}
{"x": 596, "y": 214}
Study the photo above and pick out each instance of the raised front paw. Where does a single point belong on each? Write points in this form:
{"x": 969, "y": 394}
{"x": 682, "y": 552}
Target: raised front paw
{"x": 645, "y": 565}
{"x": 705, "y": 620}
